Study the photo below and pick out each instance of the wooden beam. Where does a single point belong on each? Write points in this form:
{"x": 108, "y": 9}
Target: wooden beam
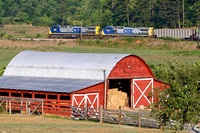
{"x": 42, "y": 108}
{"x": 120, "y": 115}
{"x": 36, "y": 109}
{"x": 139, "y": 118}
{"x": 21, "y": 107}
{"x": 21, "y": 99}
{"x": 101, "y": 114}
{"x": 10, "y": 107}
{"x": 6, "y": 106}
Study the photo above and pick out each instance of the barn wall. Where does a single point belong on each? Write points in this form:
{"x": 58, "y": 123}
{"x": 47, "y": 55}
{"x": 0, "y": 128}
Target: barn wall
{"x": 159, "y": 85}
{"x": 129, "y": 68}
{"x": 99, "y": 88}
{"x": 54, "y": 103}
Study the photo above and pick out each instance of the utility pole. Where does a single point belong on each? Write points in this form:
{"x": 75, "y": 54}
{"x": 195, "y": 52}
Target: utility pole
{"x": 81, "y": 30}
{"x": 183, "y": 14}
{"x": 198, "y": 34}
{"x": 105, "y": 87}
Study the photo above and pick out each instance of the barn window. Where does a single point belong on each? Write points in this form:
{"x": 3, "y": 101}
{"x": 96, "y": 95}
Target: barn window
{"x": 64, "y": 97}
{"x": 52, "y": 96}
{"x": 16, "y": 94}
{"x": 40, "y": 96}
{"x": 26, "y": 95}
{"x": 4, "y": 93}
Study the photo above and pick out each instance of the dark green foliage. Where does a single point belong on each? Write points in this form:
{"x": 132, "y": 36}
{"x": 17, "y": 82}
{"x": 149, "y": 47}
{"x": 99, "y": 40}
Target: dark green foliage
{"x": 154, "y": 13}
{"x": 4, "y": 34}
{"x": 179, "y": 104}
{"x": 2, "y": 70}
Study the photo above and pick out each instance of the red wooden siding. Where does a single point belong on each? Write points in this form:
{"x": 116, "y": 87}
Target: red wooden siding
{"x": 99, "y": 88}
{"x": 54, "y": 103}
{"x": 129, "y": 68}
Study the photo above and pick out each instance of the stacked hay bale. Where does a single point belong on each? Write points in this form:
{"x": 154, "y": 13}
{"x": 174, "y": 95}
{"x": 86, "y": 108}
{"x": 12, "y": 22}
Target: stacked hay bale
{"x": 116, "y": 98}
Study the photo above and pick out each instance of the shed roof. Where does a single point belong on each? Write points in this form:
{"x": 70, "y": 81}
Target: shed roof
{"x": 45, "y": 84}
{"x": 62, "y": 65}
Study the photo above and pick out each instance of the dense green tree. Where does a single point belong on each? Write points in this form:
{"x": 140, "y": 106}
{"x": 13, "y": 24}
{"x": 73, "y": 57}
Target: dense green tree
{"x": 156, "y": 13}
{"x": 180, "y": 103}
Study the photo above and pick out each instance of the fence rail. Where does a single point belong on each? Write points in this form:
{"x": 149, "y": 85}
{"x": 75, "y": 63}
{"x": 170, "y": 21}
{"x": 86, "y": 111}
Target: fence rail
{"x": 137, "y": 118}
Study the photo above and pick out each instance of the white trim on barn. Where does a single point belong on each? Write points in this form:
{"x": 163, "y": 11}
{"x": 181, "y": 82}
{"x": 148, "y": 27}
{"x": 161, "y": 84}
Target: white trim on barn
{"x": 85, "y": 99}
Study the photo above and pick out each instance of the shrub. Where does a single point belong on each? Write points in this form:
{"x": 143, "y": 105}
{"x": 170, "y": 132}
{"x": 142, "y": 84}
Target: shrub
{"x": 179, "y": 104}
{"x": 2, "y": 70}
{"x": 170, "y": 38}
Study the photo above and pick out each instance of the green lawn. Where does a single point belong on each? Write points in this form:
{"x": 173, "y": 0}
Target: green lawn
{"x": 32, "y": 124}
{"x": 152, "y": 57}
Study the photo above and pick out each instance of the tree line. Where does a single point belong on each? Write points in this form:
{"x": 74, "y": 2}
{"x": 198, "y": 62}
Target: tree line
{"x": 148, "y": 13}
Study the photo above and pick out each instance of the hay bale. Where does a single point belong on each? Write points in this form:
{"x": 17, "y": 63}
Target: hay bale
{"x": 116, "y": 98}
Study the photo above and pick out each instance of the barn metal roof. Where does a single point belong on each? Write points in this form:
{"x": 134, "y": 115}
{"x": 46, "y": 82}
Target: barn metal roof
{"x": 45, "y": 84}
{"x": 62, "y": 65}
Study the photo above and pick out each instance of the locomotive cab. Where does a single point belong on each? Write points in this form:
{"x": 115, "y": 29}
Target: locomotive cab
{"x": 54, "y": 29}
{"x": 108, "y": 30}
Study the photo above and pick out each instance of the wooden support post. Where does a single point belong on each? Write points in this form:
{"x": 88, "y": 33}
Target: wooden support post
{"x": 6, "y": 106}
{"x": 29, "y": 107}
{"x": 86, "y": 110}
{"x": 139, "y": 118}
{"x": 81, "y": 31}
{"x": 101, "y": 114}
{"x": 58, "y": 102}
{"x": 42, "y": 108}
{"x": 105, "y": 87}
{"x": 10, "y": 107}
{"x": 26, "y": 108}
{"x": 120, "y": 115}
{"x": 21, "y": 107}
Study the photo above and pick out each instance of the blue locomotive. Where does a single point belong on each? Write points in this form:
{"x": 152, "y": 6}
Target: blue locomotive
{"x": 58, "y": 31}
{"x": 127, "y": 31}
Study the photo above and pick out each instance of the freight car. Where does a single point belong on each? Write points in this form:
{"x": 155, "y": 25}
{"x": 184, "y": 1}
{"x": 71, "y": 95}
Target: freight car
{"x": 183, "y": 34}
{"x": 58, "y": 31}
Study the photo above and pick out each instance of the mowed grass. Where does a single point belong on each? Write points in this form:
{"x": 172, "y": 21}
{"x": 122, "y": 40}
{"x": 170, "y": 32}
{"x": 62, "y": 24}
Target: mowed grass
{"x": 43, "y": 124}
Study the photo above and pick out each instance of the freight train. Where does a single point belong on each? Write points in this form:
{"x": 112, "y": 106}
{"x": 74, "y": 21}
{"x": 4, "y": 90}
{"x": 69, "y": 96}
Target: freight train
{"x": 58, "y": 31}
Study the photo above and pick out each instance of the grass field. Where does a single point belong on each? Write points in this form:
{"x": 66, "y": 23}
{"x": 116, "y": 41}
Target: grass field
{"x": 153, "y": 51}
{"x": 9, "y": 48}
{"x": 24, "y": 30}
{"x": 24, "y": 124}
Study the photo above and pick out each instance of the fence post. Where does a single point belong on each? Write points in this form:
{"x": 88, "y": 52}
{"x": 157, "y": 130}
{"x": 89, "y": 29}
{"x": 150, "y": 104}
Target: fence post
{"x": 101, "y": 114}
{"x": 139, "y": 118}
{"x": 86, "y": 110}
{"x": 21, "y": 107}
{"x": 120, "y": 114}
{"x": 26, "y": 108}
{"x": 42, "y": 108}
{"x": 10, "y": 107}
{"x": 6, "y": 106}
{"x": 29, "y": 107}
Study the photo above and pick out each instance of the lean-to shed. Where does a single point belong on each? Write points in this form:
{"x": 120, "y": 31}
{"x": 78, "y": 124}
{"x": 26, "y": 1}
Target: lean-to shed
{"x": 64, "y": 79}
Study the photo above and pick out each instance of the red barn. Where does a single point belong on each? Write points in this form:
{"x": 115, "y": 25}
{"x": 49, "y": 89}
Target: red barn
{"x": 64, "y": 79}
